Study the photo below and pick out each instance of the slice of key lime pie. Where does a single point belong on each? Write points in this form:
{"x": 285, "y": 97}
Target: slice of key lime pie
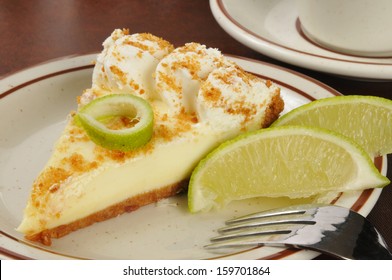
{"x": 191, "y": 99}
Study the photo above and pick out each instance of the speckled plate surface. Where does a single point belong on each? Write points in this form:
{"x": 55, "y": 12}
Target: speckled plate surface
{"x": 34, "y": 104}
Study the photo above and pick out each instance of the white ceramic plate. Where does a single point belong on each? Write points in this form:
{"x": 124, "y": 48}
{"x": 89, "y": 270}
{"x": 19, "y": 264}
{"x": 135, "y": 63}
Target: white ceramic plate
{"x": 34, "y": 104}
{"x": 272, "y": 28}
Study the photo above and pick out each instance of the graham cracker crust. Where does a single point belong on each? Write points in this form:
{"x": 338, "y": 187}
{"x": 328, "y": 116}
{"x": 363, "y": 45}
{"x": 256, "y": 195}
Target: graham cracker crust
{"x": 128, "y": 205}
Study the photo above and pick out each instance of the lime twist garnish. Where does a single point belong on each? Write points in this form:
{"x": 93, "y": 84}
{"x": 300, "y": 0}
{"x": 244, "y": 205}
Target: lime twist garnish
{"x": 118, "y": 121}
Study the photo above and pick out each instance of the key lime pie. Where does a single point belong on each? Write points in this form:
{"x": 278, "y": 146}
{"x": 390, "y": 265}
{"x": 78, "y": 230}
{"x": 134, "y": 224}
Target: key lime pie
{"x": 180, "y": 102}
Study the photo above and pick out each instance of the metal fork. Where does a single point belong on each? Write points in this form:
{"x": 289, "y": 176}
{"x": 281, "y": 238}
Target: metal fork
{"x": 329, "y": 229}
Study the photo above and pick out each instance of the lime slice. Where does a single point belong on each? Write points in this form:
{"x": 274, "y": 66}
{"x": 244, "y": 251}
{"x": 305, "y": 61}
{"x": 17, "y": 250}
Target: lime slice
{"x": 365, "y": 119}
{"x": 292, "y": 161}
{"x": 118, "y": 121}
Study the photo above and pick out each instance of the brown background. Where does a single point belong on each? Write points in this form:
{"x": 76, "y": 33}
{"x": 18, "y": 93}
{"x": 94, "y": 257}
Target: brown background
{"x": 33, "y": 32}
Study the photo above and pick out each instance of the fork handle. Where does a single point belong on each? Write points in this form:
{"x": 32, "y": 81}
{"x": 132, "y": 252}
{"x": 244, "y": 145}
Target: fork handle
{"x": 367, "y": 246}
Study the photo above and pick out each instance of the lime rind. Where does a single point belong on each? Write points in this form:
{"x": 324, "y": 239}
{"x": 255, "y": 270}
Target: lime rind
{"x": 125, "y": 139}
{"x": 202, "y": 197}
{"x": 365, "y": 119}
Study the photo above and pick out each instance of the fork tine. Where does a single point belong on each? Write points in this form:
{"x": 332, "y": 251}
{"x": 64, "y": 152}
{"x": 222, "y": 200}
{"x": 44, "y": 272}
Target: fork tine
{"x": 253, "y": 241}
{"x": 284, "y": 212}
{"x": 253, "y": 236}
{"x": 255, "y": 223}
{"x": 247, "y": 233}
{"x": 249, "y": 238}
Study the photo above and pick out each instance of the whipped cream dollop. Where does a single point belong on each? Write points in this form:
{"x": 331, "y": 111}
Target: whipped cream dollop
{"x": 191, "y": 79}
{"x": 128, "y": 62}
{"x": 231, "y": 99}
{"x": 180, "y": 75}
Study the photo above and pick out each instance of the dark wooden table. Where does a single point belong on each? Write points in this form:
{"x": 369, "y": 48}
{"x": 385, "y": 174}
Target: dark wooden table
{"x": 33, "y": 32}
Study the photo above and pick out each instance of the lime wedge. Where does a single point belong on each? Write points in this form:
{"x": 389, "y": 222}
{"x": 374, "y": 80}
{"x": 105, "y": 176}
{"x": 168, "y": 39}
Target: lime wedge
{"x": 292, "y": 161}
{"x": 118, "y": 121}
{"x": 365, "y": 119}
